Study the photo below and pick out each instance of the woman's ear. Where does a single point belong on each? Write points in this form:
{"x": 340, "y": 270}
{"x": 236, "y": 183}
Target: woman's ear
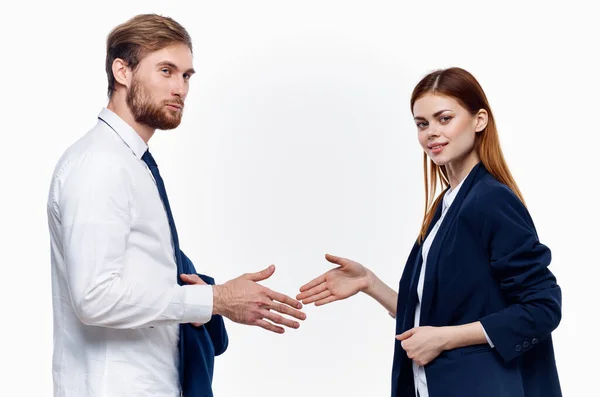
{"x": 481, "y": 120}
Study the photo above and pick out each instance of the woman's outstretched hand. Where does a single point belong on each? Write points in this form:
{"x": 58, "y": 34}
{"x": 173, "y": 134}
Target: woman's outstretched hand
{"x": 342, "y": 282}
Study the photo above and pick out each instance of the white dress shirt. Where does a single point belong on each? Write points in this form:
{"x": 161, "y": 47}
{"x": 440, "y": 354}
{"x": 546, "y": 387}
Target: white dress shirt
{"x": 115, "y": 297}
{"x": 419, "y": 371}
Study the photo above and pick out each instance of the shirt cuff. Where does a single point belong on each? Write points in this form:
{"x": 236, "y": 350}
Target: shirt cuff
{"x": 197, "y": 303}
{"x": 487, "y": 337}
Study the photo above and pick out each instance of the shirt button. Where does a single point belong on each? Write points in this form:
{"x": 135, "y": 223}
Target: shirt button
{"x": 518, "y": 348}
{"x": 525, "y": 344}
{"x": 534, "y": 341}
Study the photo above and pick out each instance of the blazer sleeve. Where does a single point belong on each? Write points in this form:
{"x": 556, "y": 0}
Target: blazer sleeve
{"x": 215, "y": 326}
{"x": 520, "y": 264}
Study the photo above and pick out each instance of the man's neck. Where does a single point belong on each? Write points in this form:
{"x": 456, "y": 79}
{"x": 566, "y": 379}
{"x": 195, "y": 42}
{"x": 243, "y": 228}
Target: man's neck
{"x": 120, "y": 108}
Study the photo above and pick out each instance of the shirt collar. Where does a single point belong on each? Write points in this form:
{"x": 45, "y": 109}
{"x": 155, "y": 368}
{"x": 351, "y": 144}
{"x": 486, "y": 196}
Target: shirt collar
{"x": 451, "y": 195}
{"x": 125, "y": 132}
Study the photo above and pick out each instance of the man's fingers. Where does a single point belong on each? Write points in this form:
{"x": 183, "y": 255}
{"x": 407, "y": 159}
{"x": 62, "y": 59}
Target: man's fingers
{"x": 279, "y": 297}
{"x": 320, "y": 296}
{"x": 269, "y": 327}
{"x": 191, "y": 279}
{"x": 278, "y": 319}
{"x": 313, "y": 291}
{"x": 313, "y": 283}
{"x": 262, "y": 275}
{"x": 327, "y": 300}
{"x": 285, "y": 309}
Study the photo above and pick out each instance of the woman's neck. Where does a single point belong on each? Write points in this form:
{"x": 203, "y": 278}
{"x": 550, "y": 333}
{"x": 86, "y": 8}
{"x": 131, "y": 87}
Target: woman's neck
{"x": 460, "y": 168}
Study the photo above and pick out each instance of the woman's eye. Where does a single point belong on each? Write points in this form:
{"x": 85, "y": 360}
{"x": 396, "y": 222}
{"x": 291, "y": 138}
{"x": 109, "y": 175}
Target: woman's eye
{"x": 445, "y": 119}
{"x": 422, "y": 125}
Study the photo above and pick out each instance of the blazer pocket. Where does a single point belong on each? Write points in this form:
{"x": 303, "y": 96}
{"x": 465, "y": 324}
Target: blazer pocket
{"x": 476, "y": 349}
{"x": 473, "y": 372}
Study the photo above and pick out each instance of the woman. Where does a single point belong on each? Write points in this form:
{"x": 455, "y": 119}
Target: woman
{"x": 476, "y": 302}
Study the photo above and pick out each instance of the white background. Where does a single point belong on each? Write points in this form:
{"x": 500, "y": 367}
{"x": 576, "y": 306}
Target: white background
{"x": 297, "y": 141}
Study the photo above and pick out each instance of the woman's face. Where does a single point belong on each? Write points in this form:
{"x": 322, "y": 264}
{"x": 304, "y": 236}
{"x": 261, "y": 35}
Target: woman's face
{"x": 446, "y": 129}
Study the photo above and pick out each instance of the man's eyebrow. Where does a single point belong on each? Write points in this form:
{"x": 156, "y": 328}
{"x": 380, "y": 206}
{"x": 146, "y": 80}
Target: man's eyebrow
{"x": 190, "y": 71}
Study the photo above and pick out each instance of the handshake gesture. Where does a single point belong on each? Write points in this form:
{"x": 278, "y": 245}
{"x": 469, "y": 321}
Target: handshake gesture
{"x": 243, "y": 300}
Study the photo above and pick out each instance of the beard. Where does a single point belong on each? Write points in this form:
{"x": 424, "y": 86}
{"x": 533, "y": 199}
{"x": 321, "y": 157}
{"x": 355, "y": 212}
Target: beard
{"x": 146, "y": 111}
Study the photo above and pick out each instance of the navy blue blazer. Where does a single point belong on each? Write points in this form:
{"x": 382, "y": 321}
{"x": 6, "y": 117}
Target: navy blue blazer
{"x": 200, "y": 346}
{"x": 485, "y": 264}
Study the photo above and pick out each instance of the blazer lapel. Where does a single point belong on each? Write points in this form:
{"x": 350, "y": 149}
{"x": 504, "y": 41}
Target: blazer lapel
{"x": 416, "y": 261}
{"x": 438, "y": 243}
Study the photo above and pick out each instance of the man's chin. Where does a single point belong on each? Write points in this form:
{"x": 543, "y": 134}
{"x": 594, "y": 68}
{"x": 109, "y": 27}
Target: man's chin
{"x": 169, "y": 122}
{"x": 166, "y": 127}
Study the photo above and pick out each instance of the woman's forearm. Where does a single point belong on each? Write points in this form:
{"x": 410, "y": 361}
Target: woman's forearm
{"x": 464, "y": 335}
{"x": 381, "y": 292}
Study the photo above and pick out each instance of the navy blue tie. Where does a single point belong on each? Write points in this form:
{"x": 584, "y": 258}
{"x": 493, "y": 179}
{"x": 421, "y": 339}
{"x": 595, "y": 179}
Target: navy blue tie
{"x": 149, "y": 160}
{"x": 162, "y": 191}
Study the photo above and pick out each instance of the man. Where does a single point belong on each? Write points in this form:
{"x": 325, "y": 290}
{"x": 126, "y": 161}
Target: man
{"x": 124, "y": 294}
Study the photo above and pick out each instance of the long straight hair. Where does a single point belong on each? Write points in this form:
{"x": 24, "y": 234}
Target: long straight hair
{"x": 460, "y": 85}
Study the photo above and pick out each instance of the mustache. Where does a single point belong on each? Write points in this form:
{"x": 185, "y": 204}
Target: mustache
{"x": 176, "y": 102}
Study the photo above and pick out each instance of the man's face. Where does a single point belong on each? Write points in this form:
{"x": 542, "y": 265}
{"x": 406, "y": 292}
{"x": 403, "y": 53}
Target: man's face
{"x": 159, "y": 87}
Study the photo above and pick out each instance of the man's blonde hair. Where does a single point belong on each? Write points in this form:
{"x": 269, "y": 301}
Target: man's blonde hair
{"x": 133, "y": 40}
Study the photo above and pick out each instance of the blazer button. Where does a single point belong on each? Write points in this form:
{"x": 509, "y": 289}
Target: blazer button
{"x": 534, "y": 341}
{"x": 518, "y": 348}
{"x": 525, "y": 345}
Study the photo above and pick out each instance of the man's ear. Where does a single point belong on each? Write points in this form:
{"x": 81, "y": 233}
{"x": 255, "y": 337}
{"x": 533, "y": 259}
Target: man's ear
{"x": 122, "y": 72}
